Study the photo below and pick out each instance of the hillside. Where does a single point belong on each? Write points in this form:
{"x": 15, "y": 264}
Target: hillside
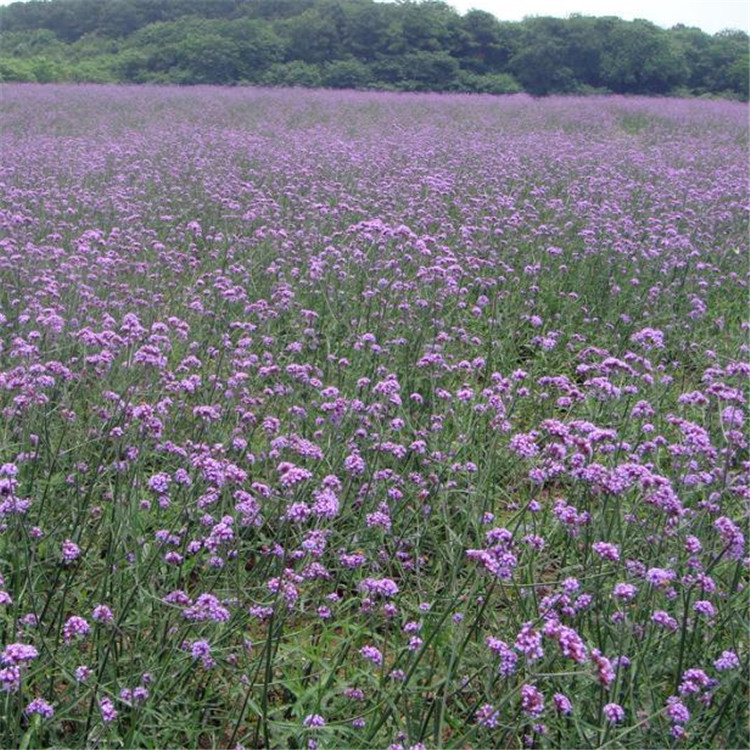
{"x": 405, "y": 46}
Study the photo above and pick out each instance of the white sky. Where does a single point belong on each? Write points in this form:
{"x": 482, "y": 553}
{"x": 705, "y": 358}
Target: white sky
{"x": 709, "y": 15}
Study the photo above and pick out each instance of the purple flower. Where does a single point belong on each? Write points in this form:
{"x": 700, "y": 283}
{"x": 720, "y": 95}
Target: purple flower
{"x": 18, "y": 653}
{"x": 373, "y": 654}
{"x": 660, "y": 577}
{"x": 290, "y": 475}
{"x": 572, "y": 645}
{"x": 562, "y": 704}
{"x": 70, "y": 551}
{"x": 487, "y": 716}
{"x": 624, "y": 592}
{"x": 384, "y": 587}
{"x": 107, "y": 710}
{"x": 207, "y": 607}
{"x": 75, "y": 627}
{"x": 159, "y": 483}
{"x": 665, "y": 620}
{"x": 102, "y": 613}
{"x": 10, "y": 679}
{"x": 731, "y": 536}
{"x": 41, "y": 707}
{"x": 614, "y": 713}
{"x": 604, "y": 667}
{"x": 529, "y": 642}
{"x": 704, "y": 607}
{"x": 508, "y": 657}
{"x": 649, "y": 338}
{"x": 314, "y": 721}
{"x": 727, "y": 660}
{"x": 200, "y": 649}
{"x": 532, "y": 701}
{"x": 606, "y": 551}
{"x": 677, "y": 711}
{"x": 693, "y": 681}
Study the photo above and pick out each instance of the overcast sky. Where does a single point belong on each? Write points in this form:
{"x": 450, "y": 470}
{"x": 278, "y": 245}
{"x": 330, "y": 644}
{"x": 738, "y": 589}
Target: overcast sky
{"x": 709, "y": 15}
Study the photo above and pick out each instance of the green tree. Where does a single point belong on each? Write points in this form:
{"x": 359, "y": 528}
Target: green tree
{"x": 696, "y": 48}
{"x": 729, "y": 67}
{"x": 257, "y": 46}
{"x": 346, "y": 74}
{"x": 208, "y": 58}
{"x": 430, "y": 26}
{"x": 642, "y": 58}
{"x": 315, "y": 36}
{"x": 485, "y": 44}
{"x": 47, "y": 71}
{"x": 295, "y": 73}
{"x": 405, "y": 44}
{"x": 13, "y": 69}
{"x": 489, "y": 83}
{"x": 542, "y": 63}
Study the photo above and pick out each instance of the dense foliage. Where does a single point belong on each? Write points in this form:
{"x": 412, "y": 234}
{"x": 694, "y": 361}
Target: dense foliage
{"x": 425, "y": 46}
{"x": 357, "y": 420}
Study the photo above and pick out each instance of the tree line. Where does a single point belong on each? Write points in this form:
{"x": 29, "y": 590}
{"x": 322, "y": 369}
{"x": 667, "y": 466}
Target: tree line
{"x": 402, "y": 46}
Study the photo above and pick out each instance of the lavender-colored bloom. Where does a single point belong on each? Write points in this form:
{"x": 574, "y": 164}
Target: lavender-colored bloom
{"x": 677, "y": 711}
{"x": 487, "y": 716}
{"x": 572, "y": 645}
{"x": 562, "y": 704}
{"x": 107, "y": 710}
{"x": 276, "y": 335}
{"x": 18, "y": 653}
{"x": 314, "y": 721}
{"x": 731, "y": 536}
{"x": 207, "y": 607}
{"x": 40, "y": 707}
{"x": 200, "y": 649}
{"x": 290, "y": 475}
{"x": 704, "y": 607}
{"x": 102, "y": 613}
{"x": 606, "y": 551}
{"x": 660, "y": 577}
{"x": 384, "y": 587}
{"x": 727, "y": 660}
{"x": 693, "y": 681}
{"x": 10, "y": 679}
{"x": 532, "y": 701}
{"x": 75, "y": 627}
{"x": 614, "y": 713}
{"x": 665, "y": 620}
{"x": 529, "y": 642}
{"x": 508, "y": 657}
{"x": 159, "y": 483}
{"x": 70, "y": 551}
{"x": 624, "y": 591}
{"x": 604, "y": 668}
{"x": 373, "y": 654}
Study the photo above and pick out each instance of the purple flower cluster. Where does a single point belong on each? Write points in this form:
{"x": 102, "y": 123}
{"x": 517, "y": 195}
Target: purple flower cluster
{"x": 424, "y": 413}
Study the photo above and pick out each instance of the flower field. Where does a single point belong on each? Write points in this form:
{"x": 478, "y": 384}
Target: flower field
{"x": 352, "y": 420}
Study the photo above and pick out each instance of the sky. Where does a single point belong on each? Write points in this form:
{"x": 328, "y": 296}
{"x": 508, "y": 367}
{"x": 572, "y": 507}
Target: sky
{"x": 709, "y": 15}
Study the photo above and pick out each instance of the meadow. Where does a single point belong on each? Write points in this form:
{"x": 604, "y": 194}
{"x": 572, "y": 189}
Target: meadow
{"x": 354, "y": 420}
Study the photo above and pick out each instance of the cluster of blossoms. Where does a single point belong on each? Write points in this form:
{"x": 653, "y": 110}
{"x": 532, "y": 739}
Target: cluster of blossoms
{"x": 406, "y": 416}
